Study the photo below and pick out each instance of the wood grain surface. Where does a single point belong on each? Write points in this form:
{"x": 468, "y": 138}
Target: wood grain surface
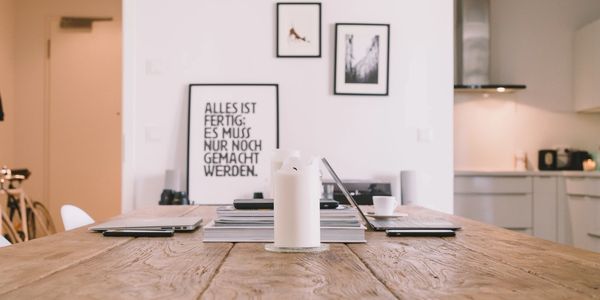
{"x": 145, "y": 268}
{"x": 24, "y": 263}
{"x": 561, "y": 265}
{"x": 425, "y": 268}
{"x": 482, "y": 261}
{"x": 249, "y": 271}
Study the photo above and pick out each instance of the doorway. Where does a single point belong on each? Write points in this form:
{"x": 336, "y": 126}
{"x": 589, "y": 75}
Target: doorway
{"x": 83, "y": 116}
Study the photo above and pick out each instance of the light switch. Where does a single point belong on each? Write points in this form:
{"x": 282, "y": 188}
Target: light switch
{"x": 155, "y": 67}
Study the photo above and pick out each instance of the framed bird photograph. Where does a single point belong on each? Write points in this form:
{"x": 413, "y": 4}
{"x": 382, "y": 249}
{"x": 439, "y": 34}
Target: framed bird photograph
{"x": 298, "y": 29}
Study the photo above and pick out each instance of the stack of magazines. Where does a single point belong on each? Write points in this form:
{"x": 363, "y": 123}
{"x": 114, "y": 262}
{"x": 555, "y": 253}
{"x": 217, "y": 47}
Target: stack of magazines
{"x": 339, "y": 225}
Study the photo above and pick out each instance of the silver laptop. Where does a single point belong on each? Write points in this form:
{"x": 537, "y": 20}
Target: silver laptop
{"x": 175, "y": 223}
{"x": 381, "y": 225}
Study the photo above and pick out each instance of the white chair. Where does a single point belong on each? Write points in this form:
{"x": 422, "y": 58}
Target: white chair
{"x": 74, "y": 217}
{"x": 4, "y": 242}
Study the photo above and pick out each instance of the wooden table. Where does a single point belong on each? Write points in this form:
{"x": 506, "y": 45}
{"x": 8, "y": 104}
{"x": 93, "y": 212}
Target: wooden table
{"x": 482, "y": 261}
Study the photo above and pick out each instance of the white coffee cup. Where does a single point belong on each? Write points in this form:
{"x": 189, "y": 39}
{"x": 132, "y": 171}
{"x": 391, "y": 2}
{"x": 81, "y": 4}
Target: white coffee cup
{"x": 384, "y": 205}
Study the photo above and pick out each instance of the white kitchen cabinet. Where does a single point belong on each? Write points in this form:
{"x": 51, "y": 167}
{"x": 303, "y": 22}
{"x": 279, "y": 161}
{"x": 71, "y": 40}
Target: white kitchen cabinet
{"x": 594, "y": 222}
{"x": 492, "y": 185}
{"x": 545, "y": 207}
{"x": 558, "y": 206}
{"x": 578, "y": 208}
{"x": 583, "y": 194}
{"x": 565, "y": 232}
{"x": 586, "y": 68}
{"x": 582, "y": 185}
{"x": 504, "y": 201}
{"x": 511, "y": 211}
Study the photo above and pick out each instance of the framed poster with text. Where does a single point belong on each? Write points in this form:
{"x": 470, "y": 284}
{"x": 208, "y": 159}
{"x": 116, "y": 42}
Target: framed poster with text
{"x": 232, "y": 131}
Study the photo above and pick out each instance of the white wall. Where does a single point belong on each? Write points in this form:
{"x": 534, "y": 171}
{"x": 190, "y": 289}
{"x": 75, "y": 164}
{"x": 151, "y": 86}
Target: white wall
{"x": 532, "y": 45}
{"x": 7, "y": 81}
{"x": 169, "y": 44}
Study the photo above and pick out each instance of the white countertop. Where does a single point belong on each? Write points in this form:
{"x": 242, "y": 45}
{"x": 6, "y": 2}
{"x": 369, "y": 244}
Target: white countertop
{"x": 527, "y": 173}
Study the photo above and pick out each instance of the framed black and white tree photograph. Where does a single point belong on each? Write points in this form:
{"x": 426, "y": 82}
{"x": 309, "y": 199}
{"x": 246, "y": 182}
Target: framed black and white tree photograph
{"x": 361, "y": 59}
{"x": 298, "y": 29}
{"x": 232, "y": 131}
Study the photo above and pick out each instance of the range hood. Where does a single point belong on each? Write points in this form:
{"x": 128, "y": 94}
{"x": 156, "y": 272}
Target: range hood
{"x": 472, "y": 49}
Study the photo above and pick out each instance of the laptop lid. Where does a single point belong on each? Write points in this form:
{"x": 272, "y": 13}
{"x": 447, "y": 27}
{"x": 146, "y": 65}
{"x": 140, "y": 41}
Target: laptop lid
{"x": 175, "y": 223}
{"x": 413, "y": 224}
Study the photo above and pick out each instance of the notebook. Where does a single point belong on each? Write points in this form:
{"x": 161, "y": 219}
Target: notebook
{"x": 381, "y": 225}
{"x": 338, "y": 225}
{"x": 175, "y": 223}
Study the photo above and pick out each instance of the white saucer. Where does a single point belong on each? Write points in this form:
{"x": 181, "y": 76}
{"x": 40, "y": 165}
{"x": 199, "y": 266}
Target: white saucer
{"x": 393, "y": 216}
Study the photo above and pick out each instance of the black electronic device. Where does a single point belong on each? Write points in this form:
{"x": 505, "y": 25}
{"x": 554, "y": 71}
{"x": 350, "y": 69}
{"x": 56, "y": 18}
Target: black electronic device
{"x": 170, "y": 197}
{"x": 139, "y": 233}
{"x": 575, "y": 159}
{"x": 268, "y": 204}
{"x": 166, "y": 197}
{"x": 420, "y": 232}
{"x": 362, "y": 191}
{"x": 547, "y": 160}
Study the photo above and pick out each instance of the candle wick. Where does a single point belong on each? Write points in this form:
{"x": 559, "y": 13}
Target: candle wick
{"x": 295, "y": 168}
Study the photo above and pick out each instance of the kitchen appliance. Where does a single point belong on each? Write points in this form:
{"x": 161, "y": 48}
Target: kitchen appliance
{"x": 472, "y": 50}
{"x": 562, "y": 159}
{"x": 547, "y": 160}
{"x": 575, "y": 159}
{"x": 520, "y": 160}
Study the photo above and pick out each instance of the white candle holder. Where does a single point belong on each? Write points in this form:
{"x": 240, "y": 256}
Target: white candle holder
{"x": 296, "y": 213}
{"x": 279, "y": 156}
{"x": 273, "y": 248}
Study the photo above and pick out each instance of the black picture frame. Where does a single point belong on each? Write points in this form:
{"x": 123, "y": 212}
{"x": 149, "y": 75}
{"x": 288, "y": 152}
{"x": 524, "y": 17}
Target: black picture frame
{"x": 279, "y": 48}
{"x": 340, "y": 85}
{"x": 189, "y": 130}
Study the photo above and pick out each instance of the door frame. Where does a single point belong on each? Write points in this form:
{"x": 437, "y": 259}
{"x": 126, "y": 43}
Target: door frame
{"x": 49, "y": 22}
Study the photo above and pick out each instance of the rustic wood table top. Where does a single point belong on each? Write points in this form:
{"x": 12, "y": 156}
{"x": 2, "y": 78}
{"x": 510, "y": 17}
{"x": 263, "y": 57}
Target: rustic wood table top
{"x": 482, "y": 261}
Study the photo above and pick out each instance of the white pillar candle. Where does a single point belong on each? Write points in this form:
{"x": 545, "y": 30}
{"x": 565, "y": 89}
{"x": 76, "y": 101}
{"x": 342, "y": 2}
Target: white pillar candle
{"x": 279, "y": 156}
{"x": 296, "y": 205}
